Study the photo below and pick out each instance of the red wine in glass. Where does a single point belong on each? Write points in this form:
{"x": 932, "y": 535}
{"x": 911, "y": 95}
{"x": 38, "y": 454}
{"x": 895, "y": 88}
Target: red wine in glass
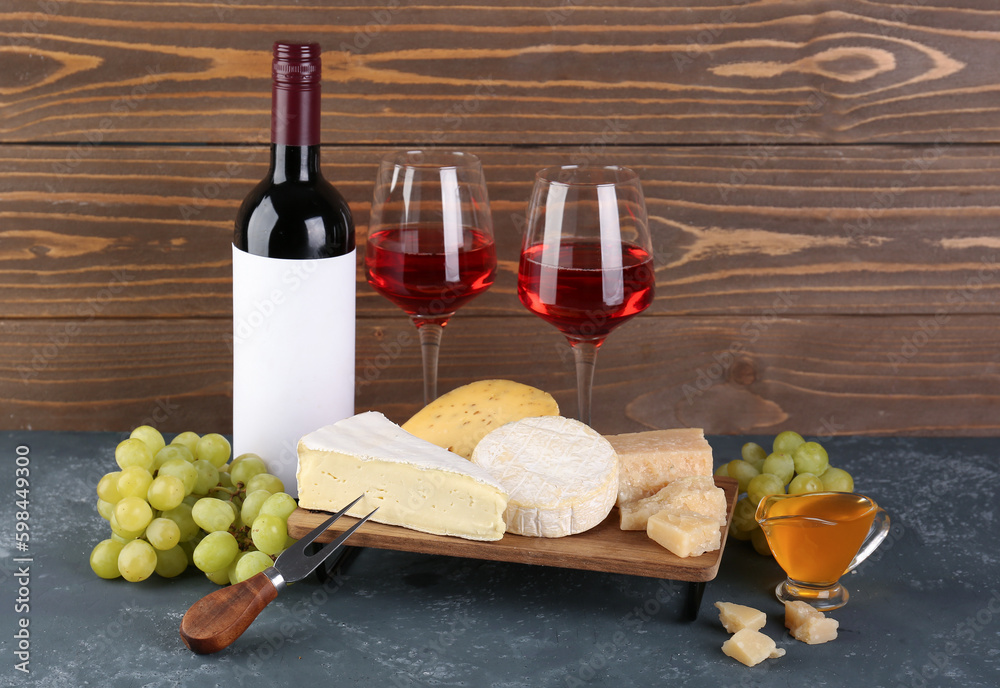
{"x": 581, "y": 296}
{"x": 410, "y": 267}
{"x": 430, "y": 247}
{"x": 586, "y": 261}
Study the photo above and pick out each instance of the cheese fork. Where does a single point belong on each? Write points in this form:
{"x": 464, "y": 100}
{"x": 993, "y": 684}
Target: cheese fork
{"x": 218, "y": 619}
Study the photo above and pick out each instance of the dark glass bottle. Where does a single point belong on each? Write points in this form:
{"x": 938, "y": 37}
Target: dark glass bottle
{"x": 293, "y": 282}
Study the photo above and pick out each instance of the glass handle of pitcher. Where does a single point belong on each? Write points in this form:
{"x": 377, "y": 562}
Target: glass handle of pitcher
{"x": 876, "y": 534}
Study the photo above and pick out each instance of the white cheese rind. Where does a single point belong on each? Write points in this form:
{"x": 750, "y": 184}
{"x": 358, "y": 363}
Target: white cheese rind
{"x": 561, "y": 475}
{"x": 413, "y": 483}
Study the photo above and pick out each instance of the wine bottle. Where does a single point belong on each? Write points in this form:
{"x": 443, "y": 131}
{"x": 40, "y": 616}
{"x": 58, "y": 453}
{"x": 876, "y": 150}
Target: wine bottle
{"x": 293, "y": 282}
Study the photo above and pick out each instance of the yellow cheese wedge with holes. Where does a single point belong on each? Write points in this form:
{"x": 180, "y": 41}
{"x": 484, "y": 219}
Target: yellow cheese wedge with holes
{"x": 457, "y": 420}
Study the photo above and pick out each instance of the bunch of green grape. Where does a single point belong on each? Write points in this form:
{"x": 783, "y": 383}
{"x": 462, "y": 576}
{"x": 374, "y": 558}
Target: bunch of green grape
{"x": 171, "y": 505}
{"x": 794, "y": 466}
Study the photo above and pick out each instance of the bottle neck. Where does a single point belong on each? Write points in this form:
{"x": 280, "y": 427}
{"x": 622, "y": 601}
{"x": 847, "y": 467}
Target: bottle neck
{"x": 294, "y": 163}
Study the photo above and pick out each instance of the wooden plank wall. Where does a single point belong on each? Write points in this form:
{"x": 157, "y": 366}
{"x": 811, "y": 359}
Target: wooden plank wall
{"x": 822, "y": 179}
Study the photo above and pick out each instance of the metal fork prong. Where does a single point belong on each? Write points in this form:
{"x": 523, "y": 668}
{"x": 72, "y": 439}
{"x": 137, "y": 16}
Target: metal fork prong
{"x": 307, "y": 539}
{"x": 334, "y": 544}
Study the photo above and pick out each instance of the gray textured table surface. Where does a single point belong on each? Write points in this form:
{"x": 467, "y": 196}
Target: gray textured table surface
{"x": 924, "y": 611}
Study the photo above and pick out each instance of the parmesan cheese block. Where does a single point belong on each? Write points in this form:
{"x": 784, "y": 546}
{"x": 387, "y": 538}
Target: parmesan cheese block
{"x": 808, "y": 624}
{"x": 684, "y": 532}
{"x": 651, "y": 460}
{"x": 736, "y": 617}
{"x": 696, "y": 493}
{"x": 459, "y": 419}
{"x": 561, "y": 475}
{"x": 413, "y": 483}
{"x": 751, "y": 647}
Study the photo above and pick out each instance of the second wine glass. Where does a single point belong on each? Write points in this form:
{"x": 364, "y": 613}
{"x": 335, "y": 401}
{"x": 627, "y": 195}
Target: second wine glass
{"x": 586, "y": 262}
{"x": 430, "y": 246}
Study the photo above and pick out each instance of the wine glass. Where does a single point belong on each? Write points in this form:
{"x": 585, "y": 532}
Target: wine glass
{"x": 430, "y": 247}
{"x": 586, "y": 260}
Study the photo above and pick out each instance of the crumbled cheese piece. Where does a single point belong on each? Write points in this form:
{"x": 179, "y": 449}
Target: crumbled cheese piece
{"x": 684, "y": 532}
{"x": 696, "y": 493}
{"x": 751, "y": 647}
{"x": 736, "y": 617}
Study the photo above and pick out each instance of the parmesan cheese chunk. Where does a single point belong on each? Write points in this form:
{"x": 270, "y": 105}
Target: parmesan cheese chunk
{"x": 651, "y": 460}
{"x": 808, "y": 624}
{"x": 736, "y": 617}
{"x": 751, "y": 647}
{"x": 684, "y": 532}
{"x": 456, "y": 421}
{"x": 696, "y": 493}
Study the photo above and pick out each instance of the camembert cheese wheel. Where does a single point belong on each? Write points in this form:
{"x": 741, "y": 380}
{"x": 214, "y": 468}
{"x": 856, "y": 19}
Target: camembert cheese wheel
{"x": 561, "y": 475}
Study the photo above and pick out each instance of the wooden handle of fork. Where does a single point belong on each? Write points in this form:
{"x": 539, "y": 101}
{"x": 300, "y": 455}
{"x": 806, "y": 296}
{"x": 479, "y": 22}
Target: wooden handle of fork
{"x": 215, "y": 621}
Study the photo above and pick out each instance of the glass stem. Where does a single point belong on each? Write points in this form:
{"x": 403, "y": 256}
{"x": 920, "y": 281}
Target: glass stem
{"x": 430, "y": 343}
{"x": 585, "y": 355}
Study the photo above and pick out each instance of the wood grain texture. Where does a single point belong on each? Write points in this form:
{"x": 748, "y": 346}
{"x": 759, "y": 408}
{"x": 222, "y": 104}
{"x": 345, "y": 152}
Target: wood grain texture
{"x": 727, "y": 374}
{"x": 722, "y": 71}
{"x": 603, "y": 548}
{"x": 146, "y": 231}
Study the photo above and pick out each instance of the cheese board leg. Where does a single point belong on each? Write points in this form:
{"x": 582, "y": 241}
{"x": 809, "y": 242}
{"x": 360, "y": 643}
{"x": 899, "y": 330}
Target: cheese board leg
{"x": 692, "y": 601}
{"x": 336, "y": 565}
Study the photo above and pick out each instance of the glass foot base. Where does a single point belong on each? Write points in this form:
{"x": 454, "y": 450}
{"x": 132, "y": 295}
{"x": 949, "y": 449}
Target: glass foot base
{"x": 821, "y": 597}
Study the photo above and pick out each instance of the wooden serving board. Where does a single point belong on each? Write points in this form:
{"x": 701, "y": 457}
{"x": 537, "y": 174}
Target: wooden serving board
{"x": 603, "y": 548}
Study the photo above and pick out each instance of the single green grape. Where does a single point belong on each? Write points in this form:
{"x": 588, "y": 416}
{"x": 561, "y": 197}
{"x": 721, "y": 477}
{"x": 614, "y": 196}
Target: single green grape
{"x": 252, "y": 503}
{"x": 245, "y": 467}
{"x": 121, "y": 532}
{"x": 764, "y": 485}
{"x": 172, "y": 562}
{"x": 163, "y": 533}
{"x": 722, "y": 471}
{"x": 265, "y": 481}
{"x": 743, "y": 471}
{"x": 134, "y": 481}
{"x": 753, "y": 454}
{"x": 187, "y": 439}
{"x": 220, "y": 577}
{"x": 150, "y": 436}
{"x": 212, "y": 515}
{"x": 837, "y": 480}
{"x": 133, "y": 452}
{"x": 213, "y": 448}
{"x": 279, "y": 504}
{"x": 804, "y": 483}
{"x": 268, "y": 534}
{"x": 810, "y": 457}
{"x": 743, "y": 522}
{"x": 781, "y": 465}
{"x": 172, "y": 451}
{"x": 104, "y": 558}
{"x": 225, "y": 480}
{"x": 215, "y": 551}
{"x": 181, "y": 515}
{"x": 137, "y": 561}
{"x": 179, "y": 468}
{"x": 166, "y": 492}
{"x": 107, "y": 487}
{"x": 760, "y": 543}
{"x": 786, "y": 442}
{"x": 208, "y": 476}
{"x": 250, "y": 564}
{"x": 231, "y": 569}
{"x": 105, "y": 509}
{"x": 133, "y": 513}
